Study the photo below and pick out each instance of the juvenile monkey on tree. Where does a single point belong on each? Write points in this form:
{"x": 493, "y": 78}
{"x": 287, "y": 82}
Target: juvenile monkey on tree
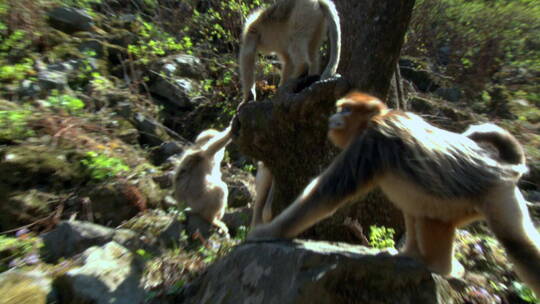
{"x": 440, "y": 180}
{"x": 295, "y": 31}
{"x": 197, "y": 180}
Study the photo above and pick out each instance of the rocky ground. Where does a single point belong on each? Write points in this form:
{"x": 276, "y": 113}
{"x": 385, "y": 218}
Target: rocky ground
{"x": 97, "y": 102}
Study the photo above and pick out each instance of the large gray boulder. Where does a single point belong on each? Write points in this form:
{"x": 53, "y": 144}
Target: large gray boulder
{"x": 175, "y": 79}
{"x": 73, "y": 237}
{"x": 316, "y": 272}
{"x": 110, "y": 275}
{"x": 70, "y": 20}
{"x": 26, "y": 287}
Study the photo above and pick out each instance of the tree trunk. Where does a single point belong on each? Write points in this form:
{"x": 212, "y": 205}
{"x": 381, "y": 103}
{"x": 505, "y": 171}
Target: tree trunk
{"x": 288, "y": 133}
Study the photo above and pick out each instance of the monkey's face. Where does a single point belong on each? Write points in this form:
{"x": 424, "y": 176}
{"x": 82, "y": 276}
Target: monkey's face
{"x": 339, "y": 127}
{"x": 352, "y": 117}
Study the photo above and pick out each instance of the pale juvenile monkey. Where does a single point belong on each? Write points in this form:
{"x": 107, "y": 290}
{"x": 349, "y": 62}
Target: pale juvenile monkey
{"x": 197, "y": 180}
{"x": 295, "y": 31}
{"x": 440, "y": 180}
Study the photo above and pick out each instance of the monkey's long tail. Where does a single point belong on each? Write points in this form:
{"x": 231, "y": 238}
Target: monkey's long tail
{"x": 509, "y": 219}
{"x": 332, "y": 16}
{"x": 510, "y": 150}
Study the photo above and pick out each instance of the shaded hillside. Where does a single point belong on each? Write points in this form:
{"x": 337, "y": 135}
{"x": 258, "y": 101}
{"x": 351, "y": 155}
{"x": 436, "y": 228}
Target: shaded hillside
{"x": 98, "y": 99}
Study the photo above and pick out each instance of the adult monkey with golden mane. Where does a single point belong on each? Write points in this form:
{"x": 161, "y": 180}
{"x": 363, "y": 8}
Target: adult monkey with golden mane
{"x": 294, "y": 30}
{"x": 440, "y": 180}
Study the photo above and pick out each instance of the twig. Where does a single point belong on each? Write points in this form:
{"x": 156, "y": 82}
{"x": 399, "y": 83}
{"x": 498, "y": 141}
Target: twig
{"x": 357, "y": 230}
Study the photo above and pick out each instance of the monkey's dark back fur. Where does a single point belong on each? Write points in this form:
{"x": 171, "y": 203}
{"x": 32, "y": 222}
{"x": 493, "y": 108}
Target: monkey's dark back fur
{"x": 442, "y": 163}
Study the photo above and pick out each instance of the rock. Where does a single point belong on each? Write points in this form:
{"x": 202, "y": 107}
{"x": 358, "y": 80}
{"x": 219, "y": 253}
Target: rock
{"x": 70, "y": 20}
{"x": 73, "y": 237}
{"x": 57, "y": 76}
{"x": 29, "y": 88}
{"x": 34, "y": 167}
{"x": 236, "y": 218}
{"x": 26, "y": 287}
{"x": 70, "y": 238}
{"x": 174, "y": 79}
{"x": 158, "y": 229}
{"x": 151, "y": 133}
{"x": 500, "y": 102}
{"x": 174, "y": 92}
{"x": 164, "y": 181}
{"x": 53, "y": 80}
{"x": 110, "y": 274}
{"x": 93, "y": 46}
{"x": 113, "y": 203}
{"x": 532, "y": 196}
{"x": 415, "y": 71}
{"x": 181, "y": 66}
{"x": 167, "y": 149}
{"x": 241, "y": 187}
{"x": 197, "y": 225}
{"x": 450, "y": 94}
{"x": 316, "y": 272}
{"x": 151, "y": 191}
{"x": 444, "y": 115}
{"x": 21, "y": 208}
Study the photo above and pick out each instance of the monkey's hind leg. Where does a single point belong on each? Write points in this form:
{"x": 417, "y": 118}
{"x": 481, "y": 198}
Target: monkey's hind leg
{"x": 436, "y": 243}
{"x": 508, "y": 217}
{"x": 263, "y": 184}
{"x": 314, "y": 49}
{"x": 300, "y": 55}
{"x": 410, "y": 248}
{"x": 287, "y": 68}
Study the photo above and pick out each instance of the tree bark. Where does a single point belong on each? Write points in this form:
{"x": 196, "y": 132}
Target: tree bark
{"x": 288, "y": 133}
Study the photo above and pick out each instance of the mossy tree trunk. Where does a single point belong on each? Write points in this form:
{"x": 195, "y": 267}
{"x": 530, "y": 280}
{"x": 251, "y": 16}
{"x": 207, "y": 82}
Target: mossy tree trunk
{"x": 288, "y": 133}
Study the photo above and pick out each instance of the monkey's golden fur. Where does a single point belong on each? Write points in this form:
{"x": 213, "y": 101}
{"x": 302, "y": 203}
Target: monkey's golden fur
{"x": 197, "y": 180}
{"x": 294, "y": 30}
{"x": 440, "y": 180}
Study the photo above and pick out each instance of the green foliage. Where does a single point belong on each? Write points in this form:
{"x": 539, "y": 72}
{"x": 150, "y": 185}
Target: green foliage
{"x": 251, "y": 168}
{"x": 209, "y": 253}
{"x": 12, "y": 248}
{"x": 478, "y": 36}
{"x": 241, "y": 233}
{"x": 381, "y": 237}
{"x": 154, "y": 42}
{"x": 13, "y": 43}
{"x": 144, "y": 254}
{"x": 101, "y": 166}
{"x": 525, "y": 293}
{"x": 13, "y": 125}
{"x": 13, "y": 68}
{"x": 219, "y": 28}
{"x": 65, "y": 101}
{"x": 16, "y": 72}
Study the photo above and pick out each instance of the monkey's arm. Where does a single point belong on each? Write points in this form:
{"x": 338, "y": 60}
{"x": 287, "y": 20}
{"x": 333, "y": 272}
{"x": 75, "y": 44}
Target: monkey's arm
{"x": 217, "y": 142}
{"x": 248, "y": 52}
{"x": 352, "y": 173}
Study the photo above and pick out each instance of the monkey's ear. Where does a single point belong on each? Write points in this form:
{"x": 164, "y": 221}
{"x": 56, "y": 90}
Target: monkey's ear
{"x": 374, "y": 108}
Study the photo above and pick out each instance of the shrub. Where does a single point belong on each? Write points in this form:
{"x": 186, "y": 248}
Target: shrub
{"x": 101, "y": 166}
{"x": 13, "y": 125}
{"x": 471, "y": 40}
{"x": 381, "y": 237}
